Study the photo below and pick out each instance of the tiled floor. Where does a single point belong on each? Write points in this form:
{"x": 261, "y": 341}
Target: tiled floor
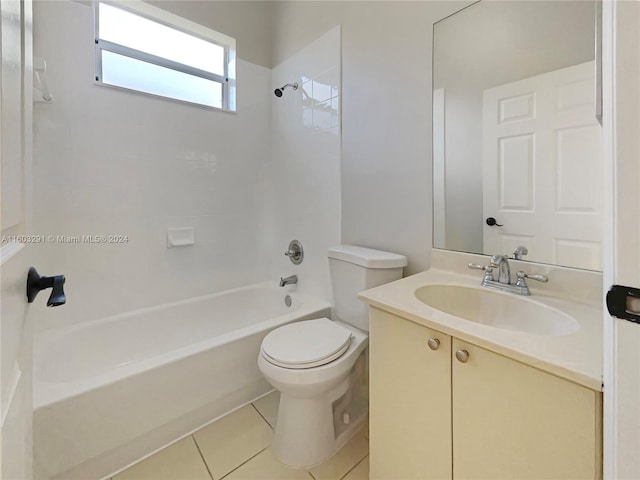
{"x": 236, "y": 447}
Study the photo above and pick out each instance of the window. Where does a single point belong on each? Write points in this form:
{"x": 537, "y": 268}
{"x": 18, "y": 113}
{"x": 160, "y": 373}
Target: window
{"x": 143, "y": 48}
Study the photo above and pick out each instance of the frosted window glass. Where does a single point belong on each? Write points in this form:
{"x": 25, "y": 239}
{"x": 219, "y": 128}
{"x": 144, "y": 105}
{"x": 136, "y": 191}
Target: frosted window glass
{"x": 146, "y": 77}
{"x": 133, "y": 31}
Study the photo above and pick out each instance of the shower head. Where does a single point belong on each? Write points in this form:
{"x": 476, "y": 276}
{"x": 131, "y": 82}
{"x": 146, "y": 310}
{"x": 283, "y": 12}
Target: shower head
{"x": 278, "y": 91}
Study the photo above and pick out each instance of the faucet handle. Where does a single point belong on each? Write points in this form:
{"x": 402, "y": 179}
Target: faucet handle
{"x": 488, "y": 270}
{"x": 521, "y": 276}
{"x": 475, "y": 266}
{"x": 539, "y": 278}
{"x": 295, "y": 252}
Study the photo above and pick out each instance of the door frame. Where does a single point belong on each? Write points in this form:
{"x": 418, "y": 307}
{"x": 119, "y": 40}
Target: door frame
{"x": 621, "y": 259}
{"x": 609, "y": 446}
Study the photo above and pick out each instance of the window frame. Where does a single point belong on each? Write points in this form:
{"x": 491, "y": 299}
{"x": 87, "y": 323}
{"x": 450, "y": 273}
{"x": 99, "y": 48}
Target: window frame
{"x": 155, "y": 14}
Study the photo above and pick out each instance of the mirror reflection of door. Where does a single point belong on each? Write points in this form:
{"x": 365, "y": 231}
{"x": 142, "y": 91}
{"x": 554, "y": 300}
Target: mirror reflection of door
{"x": 541, "y": 168}
{"x": 514, "y": 132}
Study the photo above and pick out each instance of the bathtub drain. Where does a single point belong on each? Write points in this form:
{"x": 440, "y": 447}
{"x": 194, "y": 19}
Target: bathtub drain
{"x": 287, "y": 300}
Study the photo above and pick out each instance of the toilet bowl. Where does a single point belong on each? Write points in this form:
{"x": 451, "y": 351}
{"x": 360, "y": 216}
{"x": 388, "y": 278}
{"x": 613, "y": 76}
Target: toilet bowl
{"x": 319, "y": 365}
{"x": 308, "y": 396}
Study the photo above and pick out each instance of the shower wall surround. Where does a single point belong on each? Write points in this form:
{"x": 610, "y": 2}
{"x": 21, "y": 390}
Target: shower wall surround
{"x": 113, "y": 162}
{"x": 305, "y": 168}
{"x": 386, "y": 114}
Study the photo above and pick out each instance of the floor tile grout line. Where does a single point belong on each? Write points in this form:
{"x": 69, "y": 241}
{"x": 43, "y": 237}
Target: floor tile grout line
{"x": 262, "y": 416}
{"x": 311, "y": 475}
{"x": 353, "y": 468}
{"x": 245, "y": 462}
{"x": 206, "y": 465}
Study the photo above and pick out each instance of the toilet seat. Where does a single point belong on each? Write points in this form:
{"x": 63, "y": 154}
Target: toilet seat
{"x": 306, "y": 344}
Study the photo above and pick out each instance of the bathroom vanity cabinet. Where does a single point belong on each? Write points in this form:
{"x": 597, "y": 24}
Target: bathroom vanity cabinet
{"x": 482, "y": 415}
{"x": 409, "y": 400}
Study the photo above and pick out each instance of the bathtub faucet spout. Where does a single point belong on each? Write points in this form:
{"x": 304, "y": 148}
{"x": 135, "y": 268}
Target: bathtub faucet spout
{"x": 292, "y": 280}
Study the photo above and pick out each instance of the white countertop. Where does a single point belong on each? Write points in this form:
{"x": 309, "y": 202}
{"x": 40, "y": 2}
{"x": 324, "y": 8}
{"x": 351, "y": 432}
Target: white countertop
{"x": 576, "y": 357}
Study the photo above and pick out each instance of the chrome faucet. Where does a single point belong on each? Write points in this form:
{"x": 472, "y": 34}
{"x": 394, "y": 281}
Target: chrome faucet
{"x": 503, "y": 282}
{"x": 292, "y": 280}
{"x": 519, "y": 252}
{"x": 501, "y": 262}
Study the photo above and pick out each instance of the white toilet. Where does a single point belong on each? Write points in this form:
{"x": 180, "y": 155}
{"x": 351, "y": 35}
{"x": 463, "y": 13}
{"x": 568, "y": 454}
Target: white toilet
{"x": 319, "y": 365}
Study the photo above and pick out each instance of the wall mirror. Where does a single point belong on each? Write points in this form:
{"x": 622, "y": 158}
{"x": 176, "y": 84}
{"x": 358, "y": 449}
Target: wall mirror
{"x": 516, "y": 141}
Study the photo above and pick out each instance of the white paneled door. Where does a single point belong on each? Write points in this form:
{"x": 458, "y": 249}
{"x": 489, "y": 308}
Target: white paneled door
{"x": 542, "y": 168}
{"x": 16, "y": 351}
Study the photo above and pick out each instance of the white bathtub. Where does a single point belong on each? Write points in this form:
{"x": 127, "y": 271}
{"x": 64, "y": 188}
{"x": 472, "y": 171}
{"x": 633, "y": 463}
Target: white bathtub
{"x": 109, "y": 392}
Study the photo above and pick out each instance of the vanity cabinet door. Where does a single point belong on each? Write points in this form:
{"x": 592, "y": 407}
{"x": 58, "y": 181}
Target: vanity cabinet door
{"x": 512, "y": 421}
{"x": 410, "y": 400}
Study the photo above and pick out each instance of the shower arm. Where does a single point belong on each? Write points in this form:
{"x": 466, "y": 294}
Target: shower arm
{"x": 278, "y": 91}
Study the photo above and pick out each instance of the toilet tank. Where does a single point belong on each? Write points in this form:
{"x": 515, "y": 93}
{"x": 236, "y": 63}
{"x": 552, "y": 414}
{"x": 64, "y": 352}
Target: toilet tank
{"x": 354, "y": 269}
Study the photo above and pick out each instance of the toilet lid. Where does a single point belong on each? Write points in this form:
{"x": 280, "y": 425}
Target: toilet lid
{"x": 306, "y": 344}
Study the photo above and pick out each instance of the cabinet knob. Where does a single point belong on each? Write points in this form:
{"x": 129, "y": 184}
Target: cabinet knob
{"x": 462, "y": 356}
{"x": 433, "y": 343}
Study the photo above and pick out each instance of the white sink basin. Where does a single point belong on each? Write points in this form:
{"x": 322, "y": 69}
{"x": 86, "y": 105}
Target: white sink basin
{"x": 498, "y": 310}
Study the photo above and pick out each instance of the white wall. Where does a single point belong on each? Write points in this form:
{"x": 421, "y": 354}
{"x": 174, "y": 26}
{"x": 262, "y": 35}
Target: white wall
{"x": 248, "y": 21}
{"x": 486, "y": 45}
{"x": 386, "y": 114}
{"x": 305, "y": 170}
{"x": 115, "y": 162}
